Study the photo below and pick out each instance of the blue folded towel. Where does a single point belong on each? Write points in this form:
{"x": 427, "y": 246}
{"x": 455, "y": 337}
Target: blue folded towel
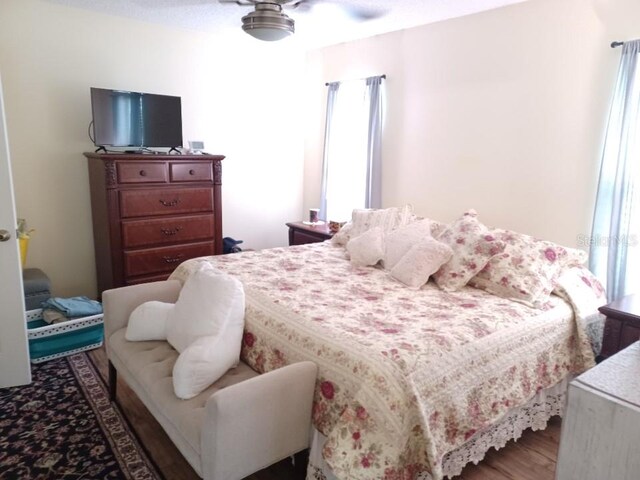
{"x": 74, "y": 307}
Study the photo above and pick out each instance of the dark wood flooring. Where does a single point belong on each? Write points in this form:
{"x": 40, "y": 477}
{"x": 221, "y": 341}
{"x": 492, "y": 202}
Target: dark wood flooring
{"x": 533, "y": 457}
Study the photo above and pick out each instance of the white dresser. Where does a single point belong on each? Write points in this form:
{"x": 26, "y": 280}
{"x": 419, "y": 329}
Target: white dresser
{"x": 601, "y": 430}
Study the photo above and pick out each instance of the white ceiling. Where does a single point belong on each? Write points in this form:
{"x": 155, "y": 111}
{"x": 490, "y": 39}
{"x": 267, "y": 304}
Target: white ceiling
{"x": 323, "y": 24}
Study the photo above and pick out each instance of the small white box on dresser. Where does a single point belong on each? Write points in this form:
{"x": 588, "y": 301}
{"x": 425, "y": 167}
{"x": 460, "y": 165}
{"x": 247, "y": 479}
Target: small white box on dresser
{"x": 601, "y": 430}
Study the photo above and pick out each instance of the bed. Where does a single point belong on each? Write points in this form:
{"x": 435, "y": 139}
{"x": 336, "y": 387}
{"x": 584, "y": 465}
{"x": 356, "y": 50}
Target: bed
{"x": 413, "y": 384}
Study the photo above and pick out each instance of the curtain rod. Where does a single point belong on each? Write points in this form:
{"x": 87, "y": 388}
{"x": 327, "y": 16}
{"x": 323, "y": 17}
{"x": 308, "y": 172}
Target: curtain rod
{"x": 616, "y": 44}
{"x": 329, "y": 83}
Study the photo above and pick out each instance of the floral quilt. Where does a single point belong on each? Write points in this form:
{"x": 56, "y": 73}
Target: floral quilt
{"x": 405, "y": 376}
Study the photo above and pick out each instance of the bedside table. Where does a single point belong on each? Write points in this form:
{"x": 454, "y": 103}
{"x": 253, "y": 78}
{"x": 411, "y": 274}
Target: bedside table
{"x": 622, "y": 326}
{"x": 299, "y": 233}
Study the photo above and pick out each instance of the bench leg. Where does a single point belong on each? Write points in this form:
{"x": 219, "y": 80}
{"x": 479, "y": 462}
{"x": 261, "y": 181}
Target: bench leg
{"x": 113, "y": 382}
{"x": 301, "y": 461}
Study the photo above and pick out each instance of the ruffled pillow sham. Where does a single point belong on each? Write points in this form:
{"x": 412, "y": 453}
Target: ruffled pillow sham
{"x": 400, "y": 241}
{"x": 527, "y": 270}
{"x": 472, "y": 244}
{"x": 362, "y": 220}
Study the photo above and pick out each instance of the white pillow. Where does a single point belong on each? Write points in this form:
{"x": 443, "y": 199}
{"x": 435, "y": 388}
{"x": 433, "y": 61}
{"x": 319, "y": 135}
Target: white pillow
{"x": 421, "y": 261}
{"x": 206, "y": 302}
{"x": 206, "y": 327}
{"x": 343, "y": 235}
{"x": 368, "y": 248}
{"x": 400, "y": 241}
{"x": 149, "y": 322}
{"x": 387, "y": 218}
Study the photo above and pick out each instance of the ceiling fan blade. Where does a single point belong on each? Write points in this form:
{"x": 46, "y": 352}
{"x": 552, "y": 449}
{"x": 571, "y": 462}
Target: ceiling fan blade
{"x": 355, "y": 12}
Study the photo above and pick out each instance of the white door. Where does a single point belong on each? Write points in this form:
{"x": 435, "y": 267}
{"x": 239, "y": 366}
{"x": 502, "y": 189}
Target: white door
{"x": 14, "y": 351}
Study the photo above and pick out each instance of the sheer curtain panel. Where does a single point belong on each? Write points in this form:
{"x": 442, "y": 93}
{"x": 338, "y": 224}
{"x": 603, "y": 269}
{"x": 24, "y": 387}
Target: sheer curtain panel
{"x": 615, "y": 255}
{"x": 352, "y": 166}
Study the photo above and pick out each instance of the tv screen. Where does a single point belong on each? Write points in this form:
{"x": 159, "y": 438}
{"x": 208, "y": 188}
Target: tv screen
{"x": 134, "y": 119}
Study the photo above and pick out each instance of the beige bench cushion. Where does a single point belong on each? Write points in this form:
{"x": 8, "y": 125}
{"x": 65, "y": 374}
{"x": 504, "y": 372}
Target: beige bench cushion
{"x": 147, "y": 367}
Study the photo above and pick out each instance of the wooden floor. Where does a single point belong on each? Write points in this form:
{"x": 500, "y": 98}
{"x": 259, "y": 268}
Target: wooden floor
{"x": 533, "y": 457}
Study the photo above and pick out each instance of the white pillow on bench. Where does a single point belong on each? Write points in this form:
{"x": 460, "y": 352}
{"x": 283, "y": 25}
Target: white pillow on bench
{"x": 205, "y": 325}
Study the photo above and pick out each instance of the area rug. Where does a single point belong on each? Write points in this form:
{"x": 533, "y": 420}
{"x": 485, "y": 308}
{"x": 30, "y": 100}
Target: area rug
{"x": 63, "y": 426}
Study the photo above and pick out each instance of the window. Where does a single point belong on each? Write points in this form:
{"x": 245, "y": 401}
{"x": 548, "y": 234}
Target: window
{"x": 352, "y": 157}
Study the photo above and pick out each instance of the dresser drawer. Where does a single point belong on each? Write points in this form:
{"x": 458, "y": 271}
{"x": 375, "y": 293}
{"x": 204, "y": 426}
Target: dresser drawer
{"x": 191, "y": 172}
{"x": 142, "y": 172}
{"x": 163, "y": 259}
{"x": 166, "y": 230}
{"x": 167, "y": 201}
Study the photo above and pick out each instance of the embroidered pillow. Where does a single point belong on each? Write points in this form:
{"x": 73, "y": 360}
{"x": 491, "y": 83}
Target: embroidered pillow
{"x": 400, "y": 241}
{"x": 421, "y": 261}
{"x": 368, "y": 248}
{"x": 527, "y": 270}
{"x": 472, "y": 244}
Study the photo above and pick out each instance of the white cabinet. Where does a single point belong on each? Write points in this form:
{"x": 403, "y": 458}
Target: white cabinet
{"x": 601, "y": 430}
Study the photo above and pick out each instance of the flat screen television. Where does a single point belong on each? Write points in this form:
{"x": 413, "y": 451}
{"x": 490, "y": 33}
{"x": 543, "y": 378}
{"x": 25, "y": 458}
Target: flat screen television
{"x": 135, "y": 119}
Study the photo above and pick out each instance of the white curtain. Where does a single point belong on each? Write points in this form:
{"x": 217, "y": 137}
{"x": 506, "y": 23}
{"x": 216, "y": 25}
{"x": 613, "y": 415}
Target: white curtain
{"x": 615, "y": 253}
{"x": 352, "y": 166}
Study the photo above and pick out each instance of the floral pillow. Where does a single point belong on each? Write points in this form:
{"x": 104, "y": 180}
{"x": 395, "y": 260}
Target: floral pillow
{"x": 472, "y": 244}
{"x": 527, "y": 270}
{"x": 579, "y": 286}
{"x": 421, "y": 261}
{"x": 368, "y": 248}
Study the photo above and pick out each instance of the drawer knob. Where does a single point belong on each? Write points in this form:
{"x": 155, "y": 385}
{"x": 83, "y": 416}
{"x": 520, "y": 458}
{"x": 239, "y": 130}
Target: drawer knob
{"x": 172, "y": 203}
{"x": 192, "y": 172}
{"x": 170, "y": 231}
{"x": 175, "y": 259}
{"x": 143, "y": 173}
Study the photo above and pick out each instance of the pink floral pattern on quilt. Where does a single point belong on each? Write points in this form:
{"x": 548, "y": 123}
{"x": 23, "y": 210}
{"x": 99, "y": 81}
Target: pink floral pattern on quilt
{"x": 405, "y": 376}
{"x": 473, "y": 245}
{"x": 527, "y": 270}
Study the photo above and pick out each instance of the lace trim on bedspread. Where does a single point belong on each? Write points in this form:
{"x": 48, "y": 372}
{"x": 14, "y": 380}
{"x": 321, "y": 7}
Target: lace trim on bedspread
{"x": 534, "y": 415}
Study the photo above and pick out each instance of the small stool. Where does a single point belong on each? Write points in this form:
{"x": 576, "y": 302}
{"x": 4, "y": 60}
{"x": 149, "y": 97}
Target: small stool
{"x": 37, "y": 287}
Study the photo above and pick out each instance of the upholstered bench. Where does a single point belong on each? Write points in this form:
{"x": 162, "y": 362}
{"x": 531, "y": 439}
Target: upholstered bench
{"x": 242, "y": 423}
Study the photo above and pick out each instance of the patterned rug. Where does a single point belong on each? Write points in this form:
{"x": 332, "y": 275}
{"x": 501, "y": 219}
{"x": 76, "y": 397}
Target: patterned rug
{"x": 63, "y": 426}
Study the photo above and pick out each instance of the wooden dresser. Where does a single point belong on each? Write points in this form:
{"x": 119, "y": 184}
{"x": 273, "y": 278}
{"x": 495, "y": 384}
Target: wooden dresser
{"x": 152, "y": 212}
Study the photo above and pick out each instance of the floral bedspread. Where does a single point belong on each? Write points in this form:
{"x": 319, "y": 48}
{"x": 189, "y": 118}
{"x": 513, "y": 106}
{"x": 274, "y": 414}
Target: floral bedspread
{"x": 405, "y": 376}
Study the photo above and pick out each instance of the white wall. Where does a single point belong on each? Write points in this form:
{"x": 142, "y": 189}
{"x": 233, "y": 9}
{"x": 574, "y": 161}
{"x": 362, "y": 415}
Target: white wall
{"x": 238, "y": 95}
{"x": 502, "y": 111}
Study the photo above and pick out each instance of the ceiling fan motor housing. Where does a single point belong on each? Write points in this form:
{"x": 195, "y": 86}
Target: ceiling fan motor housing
{"x": 268, "y": 22}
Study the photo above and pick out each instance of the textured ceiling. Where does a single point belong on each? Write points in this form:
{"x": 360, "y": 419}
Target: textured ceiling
{"x": 322, "y": 24}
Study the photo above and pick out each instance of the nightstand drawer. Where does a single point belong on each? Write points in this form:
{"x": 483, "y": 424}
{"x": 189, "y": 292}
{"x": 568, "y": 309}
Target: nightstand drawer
{"x": 142, "y": 172}
{"x": 191, "y": 172}
{"x": 163, "y": 259}
{"x": 168, "y": 201}
{"x": 166, "y": 230}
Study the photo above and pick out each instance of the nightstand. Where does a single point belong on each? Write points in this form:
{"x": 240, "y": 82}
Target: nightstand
{"x": 622, "y": 326}
{"x": 600, "y": 434}
{"x": 300, "y": 233}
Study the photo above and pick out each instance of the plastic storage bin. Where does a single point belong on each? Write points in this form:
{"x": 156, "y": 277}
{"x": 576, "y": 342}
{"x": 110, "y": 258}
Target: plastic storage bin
{"x": 47, "y": 342}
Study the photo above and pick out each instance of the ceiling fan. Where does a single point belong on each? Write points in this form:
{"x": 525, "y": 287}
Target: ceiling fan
{"x": 269, "y": 22}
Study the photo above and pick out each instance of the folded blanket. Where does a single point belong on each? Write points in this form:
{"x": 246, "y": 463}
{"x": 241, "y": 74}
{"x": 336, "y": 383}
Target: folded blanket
{"x": 73, "y": 307}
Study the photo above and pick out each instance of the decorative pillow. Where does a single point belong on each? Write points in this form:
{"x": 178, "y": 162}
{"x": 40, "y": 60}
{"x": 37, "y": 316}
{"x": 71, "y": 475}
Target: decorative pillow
{"x": 527, "y": 270}
{"x": 400, "y": 241}
{"x": 206, "y": 328}
{"x": 149, "y": 322}
{"x": 582, "y": 289}
{"x": 421, "y": 261}
{"x": 368, "y": 248}
{"x": 208, "y": 301}
{"x": 472, "y": 244}
{"x": 366, "y": 219}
